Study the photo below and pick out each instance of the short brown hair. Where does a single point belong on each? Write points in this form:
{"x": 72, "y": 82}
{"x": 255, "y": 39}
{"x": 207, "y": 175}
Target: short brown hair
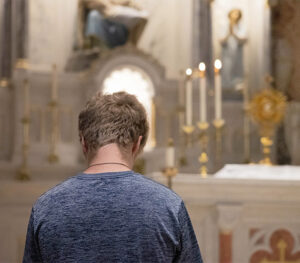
{"x": 115, "y": 118}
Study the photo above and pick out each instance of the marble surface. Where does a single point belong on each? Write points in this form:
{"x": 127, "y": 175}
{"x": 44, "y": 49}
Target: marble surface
{"x": 248, "y": 209}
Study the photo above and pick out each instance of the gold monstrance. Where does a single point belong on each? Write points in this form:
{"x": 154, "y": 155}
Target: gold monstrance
{"x": 267, "y": 109}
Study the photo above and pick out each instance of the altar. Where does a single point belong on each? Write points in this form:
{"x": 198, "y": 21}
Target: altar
{"x": 216, "y": 93}
{"x": 244, "y": 213}
{"x": 237, "y": 218}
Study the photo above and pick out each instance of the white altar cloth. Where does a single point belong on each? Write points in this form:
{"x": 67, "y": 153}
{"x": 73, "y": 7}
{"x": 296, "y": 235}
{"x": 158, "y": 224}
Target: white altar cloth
{"x": 259, "y": 172}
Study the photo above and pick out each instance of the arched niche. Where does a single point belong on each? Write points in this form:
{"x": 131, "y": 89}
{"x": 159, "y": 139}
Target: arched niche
{"x": 129, "y": 69}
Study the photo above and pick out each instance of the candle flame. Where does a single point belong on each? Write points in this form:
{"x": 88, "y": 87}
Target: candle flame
{"x": 218, "y": 64}
{"x": 202, "y": 66}
{"x": 189, "y": 72}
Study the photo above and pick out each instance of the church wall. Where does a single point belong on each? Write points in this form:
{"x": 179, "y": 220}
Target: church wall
{"x": 51, "y": 31}
{"x": 168, "y": 34}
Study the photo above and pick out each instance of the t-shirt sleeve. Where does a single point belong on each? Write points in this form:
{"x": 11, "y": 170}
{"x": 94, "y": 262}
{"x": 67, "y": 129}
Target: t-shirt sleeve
{"x": 31, "y": 252}
{"x": 189, "y": 249}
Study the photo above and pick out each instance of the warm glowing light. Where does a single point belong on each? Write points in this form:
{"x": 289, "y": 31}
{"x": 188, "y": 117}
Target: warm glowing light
{"x": 133, "y": 81}
{"x": 189, "y": 72}
{"x": 218, "y": 64}
{"x": 202, "y": 66}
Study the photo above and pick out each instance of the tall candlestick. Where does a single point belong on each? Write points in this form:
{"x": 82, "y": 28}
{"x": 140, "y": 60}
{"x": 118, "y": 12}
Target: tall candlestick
{"x": 202, "y": 93}
{"x": 53, "y": 158}
{"x": 170, "y": 154}
{"x": 23, "y": 173}
{"x": 189, "y": 98}
{"x": 218, "y": 90}
{"x": 26, "y": 99}
{"x": 54, "y": 83}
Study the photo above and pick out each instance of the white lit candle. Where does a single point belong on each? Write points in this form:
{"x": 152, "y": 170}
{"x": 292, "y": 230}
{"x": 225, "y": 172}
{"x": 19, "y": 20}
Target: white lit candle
{"x": 170, "y": 154}
{"x": 218, "y": 90}
{"x": 54, "y": 83}
{"x": 202, "y": 93}
{"x": 189, "y": 98}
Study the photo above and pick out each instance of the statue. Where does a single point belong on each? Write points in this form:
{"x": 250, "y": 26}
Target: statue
{"x": 110, "y": 23}
{"x": 232, "y": 53}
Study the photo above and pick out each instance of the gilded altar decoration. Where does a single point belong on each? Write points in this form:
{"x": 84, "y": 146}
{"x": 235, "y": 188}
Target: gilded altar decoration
{"x": 267, "y": 109}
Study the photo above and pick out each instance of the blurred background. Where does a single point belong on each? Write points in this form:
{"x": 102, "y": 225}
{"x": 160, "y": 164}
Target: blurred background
{"x": 220, "y": 82}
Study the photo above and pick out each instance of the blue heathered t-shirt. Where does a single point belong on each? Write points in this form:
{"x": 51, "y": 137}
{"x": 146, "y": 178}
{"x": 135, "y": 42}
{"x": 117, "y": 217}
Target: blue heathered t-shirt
{"x": 110, "y": 217}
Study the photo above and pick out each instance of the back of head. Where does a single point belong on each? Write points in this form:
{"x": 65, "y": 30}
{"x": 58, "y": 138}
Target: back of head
{"x": 113, "y": 118}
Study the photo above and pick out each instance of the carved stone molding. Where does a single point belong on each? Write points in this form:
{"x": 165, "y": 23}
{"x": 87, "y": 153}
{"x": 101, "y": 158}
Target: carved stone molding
{"x": 228, "y": 216}
{"x": 124, "y": 56}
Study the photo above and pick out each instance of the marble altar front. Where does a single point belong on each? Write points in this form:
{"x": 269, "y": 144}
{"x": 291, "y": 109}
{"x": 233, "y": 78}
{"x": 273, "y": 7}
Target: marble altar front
{"x": 244, "y": 213}
{"x": 237, "y": 219}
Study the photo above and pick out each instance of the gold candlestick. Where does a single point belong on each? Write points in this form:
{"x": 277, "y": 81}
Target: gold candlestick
{"x": 23, "y": 173}
{"x": 53, "y": 158}
{"x": 203, "y": 158}
{"x": 267, "y": 143}
{"x": 218, "y": 124}
{"x": 169, "y": 173}
{"x": 188, "y": 130}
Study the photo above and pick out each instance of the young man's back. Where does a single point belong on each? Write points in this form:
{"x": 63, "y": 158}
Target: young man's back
{"x": 109, "y": 213}
{"x": 110, "y": 217}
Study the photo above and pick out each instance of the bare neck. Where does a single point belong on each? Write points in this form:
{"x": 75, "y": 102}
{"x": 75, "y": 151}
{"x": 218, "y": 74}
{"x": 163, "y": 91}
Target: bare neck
{"x": 109, "y": 159}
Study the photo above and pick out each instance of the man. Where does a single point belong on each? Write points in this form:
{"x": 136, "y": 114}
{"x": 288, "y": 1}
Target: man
{"x": 108, "y": 213}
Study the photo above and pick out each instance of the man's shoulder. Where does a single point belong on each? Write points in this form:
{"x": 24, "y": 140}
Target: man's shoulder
{"x": 56, "y": 190}
{"x": 158, "y": 189}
